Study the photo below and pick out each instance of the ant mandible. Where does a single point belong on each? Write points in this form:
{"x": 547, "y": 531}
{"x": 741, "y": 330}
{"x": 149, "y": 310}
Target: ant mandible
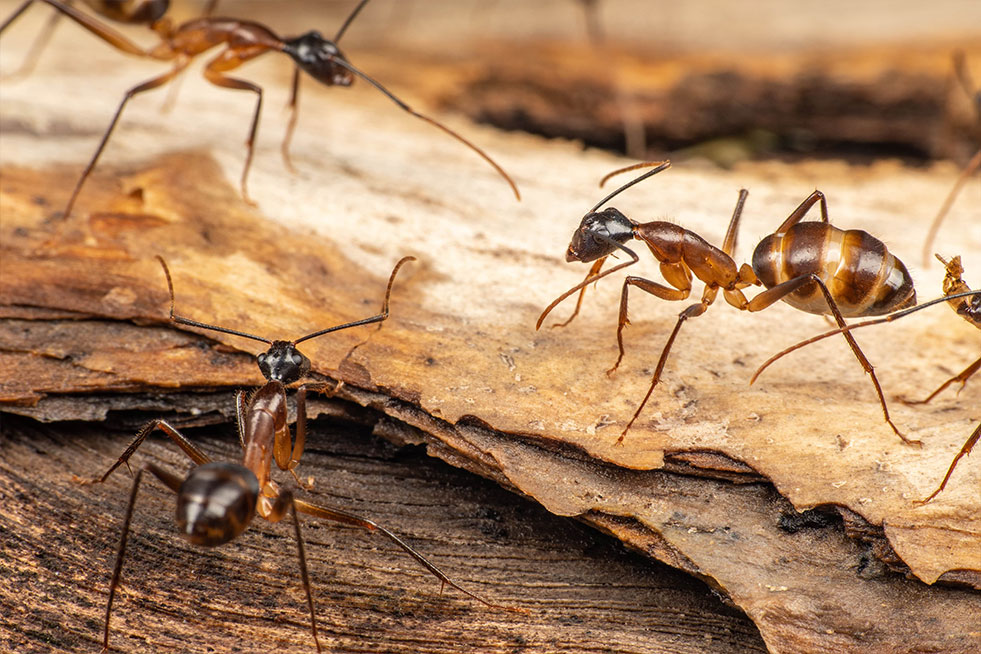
{"x": 792, "y": 263}
{"x": 965, "y": 303}
{"x": 216, "y": 501}
{"x": 243, "y": 40}
{"x": 973, "y": 165}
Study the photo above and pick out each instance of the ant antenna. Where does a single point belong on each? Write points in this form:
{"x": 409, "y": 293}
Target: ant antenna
{"x": 194, "y": 323}
{"x": 402, "y": 105}
{"x": 382, "y": 315}
{"x": 349, "y": 20}
{"x": 660, "y": 165}
{"x": 364, "y": 321}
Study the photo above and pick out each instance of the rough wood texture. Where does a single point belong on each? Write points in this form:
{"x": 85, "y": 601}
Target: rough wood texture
{"x": 460, "y": 366}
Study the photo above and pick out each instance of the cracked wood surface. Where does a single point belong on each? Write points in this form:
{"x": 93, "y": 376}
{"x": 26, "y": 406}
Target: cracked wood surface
{"x": 460, "y": 361}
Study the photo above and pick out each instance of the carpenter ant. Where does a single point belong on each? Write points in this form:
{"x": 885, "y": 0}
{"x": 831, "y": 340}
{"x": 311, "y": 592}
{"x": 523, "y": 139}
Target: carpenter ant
{"x": 973, "y": 165}
{"x": 967, "y": 304}
{"x": 243, "y": 40}
{"x": 216, "y": 501}
{"x": 792, "y": 263}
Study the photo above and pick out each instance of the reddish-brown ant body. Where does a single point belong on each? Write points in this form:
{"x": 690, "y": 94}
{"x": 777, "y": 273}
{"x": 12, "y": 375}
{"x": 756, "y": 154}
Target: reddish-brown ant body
{"x": 793, "y": 264}
{"x": 216, "y": 501}
{"x": 973, "y": 165}
{"x": 128, "y": 12}
{"x": 965, "y": 303}
{"x": 243, "y": 41}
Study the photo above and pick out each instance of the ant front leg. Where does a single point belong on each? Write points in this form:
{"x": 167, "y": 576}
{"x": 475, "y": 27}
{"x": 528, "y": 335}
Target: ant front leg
{"x": 590, "y": 276}
{"x": 965, "y": 450}
{"x": 187, "y": 446}
{"x": 676, "y": 274}
{"x": 693, "y": 311}
{"x": 961, "y": 378}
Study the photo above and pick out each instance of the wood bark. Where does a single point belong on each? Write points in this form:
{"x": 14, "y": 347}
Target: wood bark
{"x": 704, "y": 481}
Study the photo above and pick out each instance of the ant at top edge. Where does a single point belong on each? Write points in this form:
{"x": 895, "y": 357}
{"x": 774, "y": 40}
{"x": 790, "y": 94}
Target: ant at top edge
{"x": 243, "y": 41}
{"x": 792, "y": 264}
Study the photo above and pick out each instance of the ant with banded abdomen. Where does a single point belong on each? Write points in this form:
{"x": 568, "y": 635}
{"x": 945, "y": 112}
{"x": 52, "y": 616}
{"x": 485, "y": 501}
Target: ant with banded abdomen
{"x": 216, "y": 501}
{"x": 792, "y": 263}
{"x": 243, "y": 41}
{"x": 965, "y": 303}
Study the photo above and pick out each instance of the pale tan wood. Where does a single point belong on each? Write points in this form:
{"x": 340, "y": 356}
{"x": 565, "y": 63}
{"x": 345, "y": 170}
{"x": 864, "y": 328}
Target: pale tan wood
{"x": 460, "y": 360}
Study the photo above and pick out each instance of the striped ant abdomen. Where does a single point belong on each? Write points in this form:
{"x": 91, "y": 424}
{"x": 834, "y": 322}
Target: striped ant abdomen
{"x": 864, "y": 278}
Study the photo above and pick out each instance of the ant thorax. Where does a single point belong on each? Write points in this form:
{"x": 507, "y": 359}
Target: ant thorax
{"x": 282, "y": 362}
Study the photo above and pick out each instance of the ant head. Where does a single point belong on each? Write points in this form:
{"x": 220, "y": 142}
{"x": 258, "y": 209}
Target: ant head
{"x": 216, "y": 503}
{"x": 598, "y": 234}
{"x": 318, "y": 57}
{"x": 282, "y": 362}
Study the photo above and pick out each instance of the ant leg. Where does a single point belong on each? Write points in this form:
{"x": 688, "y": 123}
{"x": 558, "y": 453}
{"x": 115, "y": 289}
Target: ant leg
{"x": 691, "y": 312}
{"x": 283, "y": 502}
{"x": 140, "y": 88}
{"x": 343, "y": 517}
{"x": 586, "y": 282}
{"x": 187, "y": 446}
{"x": 972, "y": 167}
{"x": 294, "y": 108}
{"x": 593, "y": 273}
{"x": 798, "y": 214}
{"x": 213, "y": 73}
{"x": 965, "y": 450}
{"x": 962, "y": 378}
{"x": 780, "y": 291}
{"x": 170, "y": 481}
{"x": 676, "y": 274}
{"x": 40, "y": 42}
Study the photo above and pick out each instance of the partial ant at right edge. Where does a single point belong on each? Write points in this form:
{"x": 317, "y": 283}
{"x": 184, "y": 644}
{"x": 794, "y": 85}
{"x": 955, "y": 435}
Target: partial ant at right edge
{"x": 813, "y": 266}
{"x": 216, "y": 501}
{"x": 965, "y": 303}
{"x": 973, "y": 165}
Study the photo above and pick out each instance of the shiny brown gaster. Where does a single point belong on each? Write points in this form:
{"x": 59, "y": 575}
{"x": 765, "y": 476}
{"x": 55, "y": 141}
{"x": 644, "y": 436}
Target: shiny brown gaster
{"x": 238, "y": 492}
{"x": 967, "y": 304}
{"x": 872, "y": 282}
{"x": 243, "y": 40}
{"x": 973, "y": 165}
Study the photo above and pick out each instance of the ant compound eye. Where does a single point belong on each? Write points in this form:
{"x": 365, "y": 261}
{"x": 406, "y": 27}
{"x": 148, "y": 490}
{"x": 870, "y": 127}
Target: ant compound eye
{"x": 261, "y": 358}
{"x": 297, "y": 358}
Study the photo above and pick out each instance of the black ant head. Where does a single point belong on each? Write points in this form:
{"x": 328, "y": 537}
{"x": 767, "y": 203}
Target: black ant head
{"x": 216, "y": 502}
{"x": 598, "y": 234}
{"x": 318, "y": 57}
{"x": 282, "y": 362}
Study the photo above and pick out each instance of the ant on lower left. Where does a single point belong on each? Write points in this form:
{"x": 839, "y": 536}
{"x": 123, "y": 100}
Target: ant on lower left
{"x": 216, "y": 501}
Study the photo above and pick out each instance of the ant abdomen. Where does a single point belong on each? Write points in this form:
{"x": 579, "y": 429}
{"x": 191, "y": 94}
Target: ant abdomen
{"x": 864, "y": 278}
{"x": 216, "y": 503}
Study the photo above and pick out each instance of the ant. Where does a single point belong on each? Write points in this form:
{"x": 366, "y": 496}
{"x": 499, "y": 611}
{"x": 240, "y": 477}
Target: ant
{"x": 216, "y": 501}
{"x": 967, "y": 304}
{"x": 129, "y": 12}
{"x": 792, "y": 263}
{"x": 243, "y": 40}
{"x": 973, "y": 165}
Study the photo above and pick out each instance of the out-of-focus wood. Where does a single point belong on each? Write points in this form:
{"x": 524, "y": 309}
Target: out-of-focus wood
{"x": 460, "y": 366}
